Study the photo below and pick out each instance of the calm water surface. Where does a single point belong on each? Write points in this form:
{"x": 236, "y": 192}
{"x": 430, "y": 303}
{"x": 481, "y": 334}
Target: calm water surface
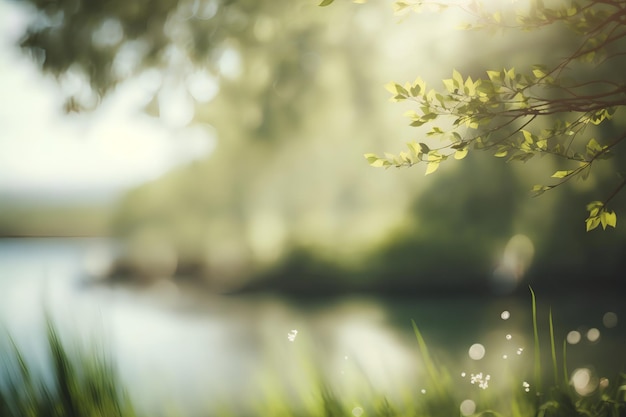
{"x": 180, "y": 349}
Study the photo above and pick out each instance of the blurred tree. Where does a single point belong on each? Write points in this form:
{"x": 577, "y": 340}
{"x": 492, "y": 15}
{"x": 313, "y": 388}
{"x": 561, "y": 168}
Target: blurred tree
{"x": 560, "y": 108}
{"x": 285, "y": 90}
{"x": 277, "y": 86}
{"x": 110, "y": 42}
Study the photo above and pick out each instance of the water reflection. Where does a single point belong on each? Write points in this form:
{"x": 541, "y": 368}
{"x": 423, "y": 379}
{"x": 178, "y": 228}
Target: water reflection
{"x": 178, "y": 346}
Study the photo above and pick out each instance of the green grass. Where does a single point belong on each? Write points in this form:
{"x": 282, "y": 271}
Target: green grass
{"x": 84, "y": 383}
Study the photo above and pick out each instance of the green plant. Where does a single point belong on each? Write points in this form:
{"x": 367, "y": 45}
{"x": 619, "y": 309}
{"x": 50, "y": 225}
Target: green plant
{"x": 84, "y": 383}
{"x": 561, "y": 109}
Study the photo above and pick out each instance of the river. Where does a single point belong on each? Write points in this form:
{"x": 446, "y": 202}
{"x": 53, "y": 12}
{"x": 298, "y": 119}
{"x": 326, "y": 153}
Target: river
{"x": 178, "y": 348}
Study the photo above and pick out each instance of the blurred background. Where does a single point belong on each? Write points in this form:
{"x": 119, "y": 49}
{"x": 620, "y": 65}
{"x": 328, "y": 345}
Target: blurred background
{"x": 185, "y": 179}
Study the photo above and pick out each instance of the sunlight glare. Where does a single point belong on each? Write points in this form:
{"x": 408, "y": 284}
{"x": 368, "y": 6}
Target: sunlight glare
{"x": 229, "y": 63}
{"x": 202, "y": 86}
{"x": 176, "y": 107}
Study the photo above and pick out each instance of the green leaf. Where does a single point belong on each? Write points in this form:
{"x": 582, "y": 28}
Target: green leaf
{"x": 537, "y": 190}
{"x": 418, "y": 88}
{"x": 494, "y": 75}
{"x": 528, "y": 137}
{"x": 371, "y": 158}
{"x": 562, "y": 174}
{"x": 593, "y": 147}
{"x": 435, "y": 131}
{"x": 375, "y": 161}
{"x": 326, "y": 3}
{"x": 461, "y": 153}
{"x": 595, "y": 205}
{"x": 415, "y": 148}
{"x": 510, "y": 74}
{"x": 592, "y": 223}
{"x": 399, "y": 92}
{"x": 611, "y": 218}
{"x": 424, "y": 148}
{"x": 540, "y": 71}
{"x": 458, "y": 78}
{"x": 449, "y": 84}
{"x": 405, "y": 157}
{"x": 501, "y": 153}
{"x": 432, "y": 167}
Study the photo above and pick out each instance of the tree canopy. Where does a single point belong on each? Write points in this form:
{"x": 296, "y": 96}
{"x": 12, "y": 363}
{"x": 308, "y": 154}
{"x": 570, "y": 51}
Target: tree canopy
{"x": 570, "y": 108}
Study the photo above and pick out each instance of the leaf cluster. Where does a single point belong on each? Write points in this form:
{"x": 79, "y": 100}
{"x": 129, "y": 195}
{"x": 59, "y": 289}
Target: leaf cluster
{"x": 506, "y": 111}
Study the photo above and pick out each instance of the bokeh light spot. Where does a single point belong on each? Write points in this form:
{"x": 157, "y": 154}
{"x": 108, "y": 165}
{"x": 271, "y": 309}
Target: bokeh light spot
{"x": 573, "y": 337}
{"x": 593, "y": 335}
{"x": 357, "y": 411}
{"x": 609, "y": 320}
{"x": 476, "y": 351}
{"x": 468, "y": 407}
{"x": 292, "y": 335}
{"x": 604, "y": 383}
{"x": 583, "y": 381}
{"x": 505, "y": 315}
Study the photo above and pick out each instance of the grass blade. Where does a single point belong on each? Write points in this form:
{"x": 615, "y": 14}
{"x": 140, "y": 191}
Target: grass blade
{"x": 553, "y": 350}
{"x": 565, "y": 375}
{"x": 536, "y": 337}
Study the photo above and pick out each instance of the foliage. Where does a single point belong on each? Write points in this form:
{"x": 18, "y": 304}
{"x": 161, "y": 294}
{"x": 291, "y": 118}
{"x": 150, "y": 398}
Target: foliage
{"x": 84, "y": 383}
{"x": 562, "y": 110}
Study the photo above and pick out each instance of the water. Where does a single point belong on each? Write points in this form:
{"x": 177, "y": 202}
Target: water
{"x": 178, "y": 348}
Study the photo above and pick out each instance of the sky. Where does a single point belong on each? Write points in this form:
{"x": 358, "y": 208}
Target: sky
{"x": 49, "y": 154}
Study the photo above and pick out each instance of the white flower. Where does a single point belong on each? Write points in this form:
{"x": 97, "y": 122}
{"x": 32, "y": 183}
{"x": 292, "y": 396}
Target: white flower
{"x": 292, "y": 335}
{"x": 482, "y": 381}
